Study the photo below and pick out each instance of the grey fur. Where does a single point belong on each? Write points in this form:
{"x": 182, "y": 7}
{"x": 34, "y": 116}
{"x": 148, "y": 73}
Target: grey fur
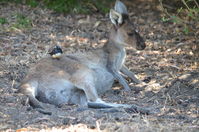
{"x": 80, "y": 77}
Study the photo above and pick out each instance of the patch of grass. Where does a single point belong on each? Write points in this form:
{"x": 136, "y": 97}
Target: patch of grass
{"x": 186, "y": 13}
{"x": 22, "y": 22}
{"x": 32, "y": 3}
{"x": 3, "y": 20}
{"x": 103, "y": 5}
{"x": 64, "y": 5}
{"x": 69, "y": 6}
{"x": 78, "y": 6}
{"x": 15, "y": 1}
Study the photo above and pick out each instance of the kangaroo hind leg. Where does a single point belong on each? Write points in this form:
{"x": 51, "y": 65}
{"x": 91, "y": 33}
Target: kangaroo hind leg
{"x": 86, "y": 83}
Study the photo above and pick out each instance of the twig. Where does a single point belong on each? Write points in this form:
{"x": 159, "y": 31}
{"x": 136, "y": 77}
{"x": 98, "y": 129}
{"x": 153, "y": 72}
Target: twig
{"x": 164, "y": 8}
{"x": 183, "y": 1}
{"x": 196, "y": 3}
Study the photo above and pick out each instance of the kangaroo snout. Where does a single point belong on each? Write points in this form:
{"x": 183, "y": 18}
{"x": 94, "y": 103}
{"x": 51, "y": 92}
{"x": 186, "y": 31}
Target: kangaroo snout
{"x": 140, "y": 44}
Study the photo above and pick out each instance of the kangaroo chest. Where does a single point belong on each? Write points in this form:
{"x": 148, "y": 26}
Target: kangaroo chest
{"x": 117, "y": 59}
{"x": 120, "y": 59}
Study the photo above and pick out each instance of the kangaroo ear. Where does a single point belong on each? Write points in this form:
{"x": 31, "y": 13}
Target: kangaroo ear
{"x": 116, "y": 18}
{"x": 120, "y": 7}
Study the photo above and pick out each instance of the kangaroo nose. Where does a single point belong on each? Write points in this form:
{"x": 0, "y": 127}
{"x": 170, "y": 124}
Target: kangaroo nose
{"x": 144, "y": 46}
{"x": 141, "y": 46}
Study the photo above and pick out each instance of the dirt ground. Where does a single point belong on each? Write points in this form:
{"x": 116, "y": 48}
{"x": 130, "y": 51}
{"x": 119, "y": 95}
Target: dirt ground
{"x": 169, "y": 66}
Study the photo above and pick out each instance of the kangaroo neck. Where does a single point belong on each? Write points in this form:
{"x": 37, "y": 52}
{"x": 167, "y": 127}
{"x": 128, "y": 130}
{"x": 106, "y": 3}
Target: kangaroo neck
{"x": 115, "y": 42}
{"x": 116, "y": 55}
{"x": 112, "y": 47}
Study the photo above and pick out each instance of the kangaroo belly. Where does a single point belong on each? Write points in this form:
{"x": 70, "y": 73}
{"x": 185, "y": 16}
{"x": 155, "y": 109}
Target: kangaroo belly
{"x": 58, "y": 92}
{"x": 103, "y": 79}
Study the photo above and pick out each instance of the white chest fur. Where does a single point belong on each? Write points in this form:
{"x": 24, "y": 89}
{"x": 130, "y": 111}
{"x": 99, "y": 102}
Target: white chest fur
{"x": 121, "y": 56}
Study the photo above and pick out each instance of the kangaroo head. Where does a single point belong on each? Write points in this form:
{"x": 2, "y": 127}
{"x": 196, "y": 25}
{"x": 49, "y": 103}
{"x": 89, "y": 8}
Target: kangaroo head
{"x": 124, "y": 31}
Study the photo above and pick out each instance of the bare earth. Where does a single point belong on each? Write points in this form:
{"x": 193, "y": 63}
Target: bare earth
{"x": 169, "y": 65}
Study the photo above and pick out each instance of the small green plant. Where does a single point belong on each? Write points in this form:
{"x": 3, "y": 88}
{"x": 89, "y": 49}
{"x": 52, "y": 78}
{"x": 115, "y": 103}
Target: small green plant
{"x": 186, "y": 12}
{"x": 22, "y": 22}
{"x": 3, "y": 20}
{"x": 186, "y": 30}
{"x": 32, "y": 3}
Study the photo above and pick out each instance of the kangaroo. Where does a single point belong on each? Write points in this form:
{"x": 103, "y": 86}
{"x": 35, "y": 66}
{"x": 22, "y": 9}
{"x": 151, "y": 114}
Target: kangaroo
{"x": 80, "y": 77}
